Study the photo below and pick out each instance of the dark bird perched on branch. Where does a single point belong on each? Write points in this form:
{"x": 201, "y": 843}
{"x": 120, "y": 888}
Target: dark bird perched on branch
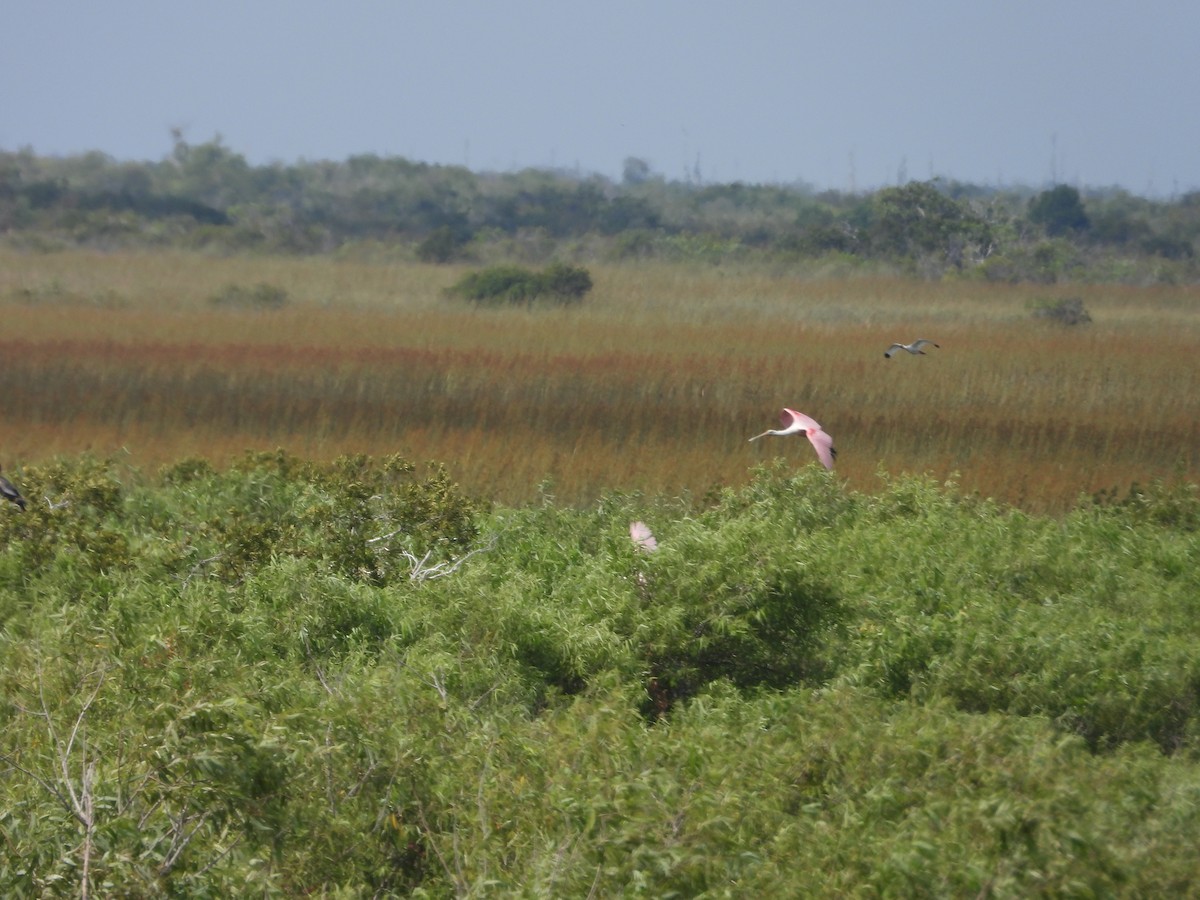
{"x": 11, "y": 493}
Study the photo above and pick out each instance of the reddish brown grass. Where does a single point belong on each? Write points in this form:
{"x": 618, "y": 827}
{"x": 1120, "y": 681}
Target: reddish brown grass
{"x": 654, "y": 385}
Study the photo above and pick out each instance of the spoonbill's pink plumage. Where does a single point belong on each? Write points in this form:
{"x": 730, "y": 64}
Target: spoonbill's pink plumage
{"x": 642, "y": 537}
{"x": 798, "y": 423}
{"x": 913, "y": 348}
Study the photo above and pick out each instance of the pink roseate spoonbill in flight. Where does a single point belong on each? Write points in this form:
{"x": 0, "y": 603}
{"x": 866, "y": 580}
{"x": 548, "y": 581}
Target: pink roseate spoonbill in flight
{"x": 642, "y": 537}
{"x": 798, "y": 423}
{"x": 914, "y": 348}
{"x": 9, "y": 492}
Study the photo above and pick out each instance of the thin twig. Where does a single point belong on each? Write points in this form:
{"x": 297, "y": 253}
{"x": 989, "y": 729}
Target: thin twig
{"x": 179, "y": 827}
{"x": 197, "y": 567}
{"x": 419, "y": 572}
{"x": 460, "y": 887}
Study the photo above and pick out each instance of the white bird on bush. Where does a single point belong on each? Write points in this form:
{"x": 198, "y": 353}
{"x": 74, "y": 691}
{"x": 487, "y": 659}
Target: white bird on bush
{"x": 798, "y": 423}
{"x": 913, "y": 348}
{"x": 642, "y": 537}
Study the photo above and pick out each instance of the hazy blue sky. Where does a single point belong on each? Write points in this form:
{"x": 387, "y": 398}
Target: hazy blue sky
{"x": 837, "y": 94}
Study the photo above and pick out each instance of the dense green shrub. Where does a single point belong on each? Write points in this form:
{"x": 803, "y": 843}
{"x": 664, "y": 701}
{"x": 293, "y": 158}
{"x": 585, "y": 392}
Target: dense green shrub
{"x": 1044, "y": 262}
{"x": 224, "y": 680}
{"x": 560, "y": 283}
{"x": 498, "y": 284}
{"x": 1066, "y": 311}
{"x": 1176, "y": 507}
{"x": 1059, "y": 210}
{"x": 918, "y": 220}
{"x": 258, "y": 296}
{"x": 71, "y": 517}
{"x": 365, "y": 518}
{"x": 568, "y": 284}
{"x": 635, "y": 244}
{"x": 208, "y": 197}
{"x": 731, "y": 603}
{"x": 1168, "y": 246}
{"x": 443, "y": 245}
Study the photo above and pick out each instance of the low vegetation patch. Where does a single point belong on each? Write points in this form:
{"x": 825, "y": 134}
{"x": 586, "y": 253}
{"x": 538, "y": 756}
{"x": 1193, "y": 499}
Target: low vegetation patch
{"x": 511, "y": 284}
{"x": 256, "y": 296}
{"x": 352, "y": 678}
{"x": 1067, "y": 311}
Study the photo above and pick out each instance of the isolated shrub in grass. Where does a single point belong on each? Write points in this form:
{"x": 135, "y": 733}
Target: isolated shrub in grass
{"x": 566, "y": 283}
{"x": 516, "y": 284}
{"x": 1067, "y": 311}
{"x": 257, "y": 296}
{"x": 498, "y": 284}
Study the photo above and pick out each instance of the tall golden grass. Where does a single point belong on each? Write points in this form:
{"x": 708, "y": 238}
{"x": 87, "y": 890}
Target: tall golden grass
{"x": 654, "y": 384}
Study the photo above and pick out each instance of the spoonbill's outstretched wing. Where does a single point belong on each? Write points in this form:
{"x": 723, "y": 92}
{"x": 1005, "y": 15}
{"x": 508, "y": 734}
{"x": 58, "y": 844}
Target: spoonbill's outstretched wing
{"x": 798, "y": 423}
{"x": 913, "y": 348}
{"x": 823, "y": 444}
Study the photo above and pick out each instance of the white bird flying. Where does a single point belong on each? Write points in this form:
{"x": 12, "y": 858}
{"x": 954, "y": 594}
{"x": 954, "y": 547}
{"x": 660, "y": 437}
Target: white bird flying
{"x": 913, "y": 348}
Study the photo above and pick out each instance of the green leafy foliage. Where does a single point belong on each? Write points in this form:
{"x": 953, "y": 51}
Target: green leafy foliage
{"x": 919, "y": 220}
{"x": 207, "y": 196}
{"x": 802, "y": 691}
{"x": 361, "y": 517}
{"x": 1059, "y": 210}
{"x": 567, "y": 283}
{"x": 562, "y": 284}
{"x": 443, "y": 245}
{"x": 498, "y": 284}
{"x": 1160, "y": 504}
{"x": 1065, "y": 311}
{"x": 70, "y": 519}
{"x": 258, "y": 296}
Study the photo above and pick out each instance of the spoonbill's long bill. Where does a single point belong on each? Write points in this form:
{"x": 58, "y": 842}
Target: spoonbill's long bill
{"x": 798, "y": 423}
{"x": 9, "y": 492}
{"x": 913, "y": 348}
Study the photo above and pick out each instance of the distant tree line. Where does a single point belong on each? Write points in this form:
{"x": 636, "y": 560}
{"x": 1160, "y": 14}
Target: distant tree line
{"x": 207, "y": 196}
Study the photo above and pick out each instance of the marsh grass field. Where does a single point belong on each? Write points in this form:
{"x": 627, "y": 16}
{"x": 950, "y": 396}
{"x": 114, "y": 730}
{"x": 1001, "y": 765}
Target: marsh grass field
{"x": 653, "y": 384}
